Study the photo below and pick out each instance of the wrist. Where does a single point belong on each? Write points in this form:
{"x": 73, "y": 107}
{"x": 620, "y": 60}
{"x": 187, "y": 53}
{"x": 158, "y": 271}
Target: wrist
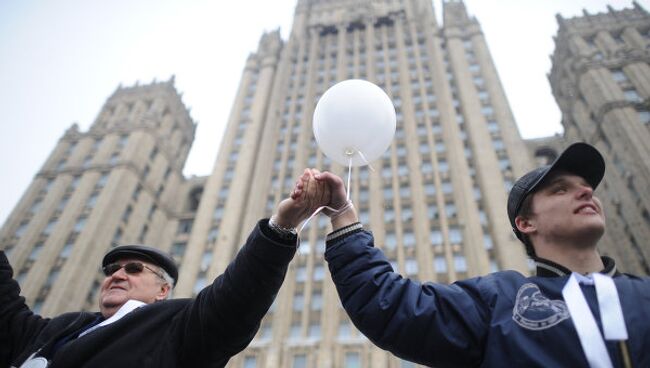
{"x": 347, "y": 218}
{"x": 285, "y": 231}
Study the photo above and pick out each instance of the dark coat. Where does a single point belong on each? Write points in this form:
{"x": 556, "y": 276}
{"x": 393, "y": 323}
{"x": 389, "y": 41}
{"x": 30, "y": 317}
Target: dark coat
{"x": 501, "y": 320}
{"x": 201, "y": 332}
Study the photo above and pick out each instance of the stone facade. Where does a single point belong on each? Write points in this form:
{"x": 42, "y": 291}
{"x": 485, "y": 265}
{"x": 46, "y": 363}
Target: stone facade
{"x": 115, "y": 184}
{"x": 435, "y": 201}
{"x": 601, "y": 80}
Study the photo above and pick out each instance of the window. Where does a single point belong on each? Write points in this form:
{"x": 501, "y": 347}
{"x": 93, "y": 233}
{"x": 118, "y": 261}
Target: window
{"x": 345, "y": 330}
{"x": 498, "y": 144}
{"x": 644, "y": 117}
{"x": 136, "y": 192}
{"x": 114, "y": 158}
{"x": 408, "y": 239}
{"x": 455, "y": 235}
{"x": 75, "y": 182}
{"x": 432, "y": 211}
{"x": 352, "y": 360}
{"x": 250, "y": 362}
{"x": 299, "y": 361}
{"x": 178, "y": 249}
{"x": 314, "y": 330}
{"x": 184, "y": 226}
{"x": 301, "y": 274}
{"x": 294, "y": 330}
{"x": 493, "y": 126}
{"x": 450, "y": 209}
{"x": 79, "y": 225}
{"x": 102, "y": 180}
{"x": 436, "y": 237}
{"x": 48, "y": 184}
{"x": 319, "y": 272}
{"x": 460, "y": 264}
{"x": 298, "y": 302}
{"x": 487, "y": 110}
{"x": 212, "y": 235}
{"x": 443, "y": 166}
{"x": 619, "y": 76}
{"x": 21, "y": 229}
{"x": 447, "y": 188}
{"x": 206, "y": 259}
{"x": 92, "y": 200}
{"x": 35, "y": 251}
{"x": 631, "y": 95}
{"x": 49, "y": 227}
{"x": 487, "y": 241}
{"x": 440, "y": 264}
{"x": 200, "y": 283}
{"x": 61, "y": 164}
{"x": 317, "y": 301}
{"x": 389, "y": 214}
{"x": 143, "y": 233}
{"x": 67, "y": 250}
{"x": 54, "y": 274}
{"x": 411, "y": 266}
{"x": 127, "y": 213}
{"x": 123, "y": 140}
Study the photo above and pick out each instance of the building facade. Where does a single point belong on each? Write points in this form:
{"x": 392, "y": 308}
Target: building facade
{"x": 435, "y": 201}
{"x": 601, "y": 80}
{"x": 117, "y": 183}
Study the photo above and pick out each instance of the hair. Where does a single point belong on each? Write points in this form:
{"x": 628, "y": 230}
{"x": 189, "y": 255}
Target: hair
{"x": 167, "y": 280}
{"x": 526, "y": 211}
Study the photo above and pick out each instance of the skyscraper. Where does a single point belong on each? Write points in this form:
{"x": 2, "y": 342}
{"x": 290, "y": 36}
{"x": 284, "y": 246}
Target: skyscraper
{"x": 115, "y": 183}
{"x": 601, "y": 81}
{"x": 435, "y": 201}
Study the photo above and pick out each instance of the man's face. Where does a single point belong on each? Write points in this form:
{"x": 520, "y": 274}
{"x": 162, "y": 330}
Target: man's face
{"x": 566, "y": 209}
{"x": 121, "y": 286}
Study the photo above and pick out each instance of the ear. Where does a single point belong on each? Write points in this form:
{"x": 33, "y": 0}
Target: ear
{"x": 165, "y": 288}
{"x": 524, "y": 225}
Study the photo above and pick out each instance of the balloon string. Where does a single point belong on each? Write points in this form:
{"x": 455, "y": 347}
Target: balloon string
{"x": 335, "y": 213}
{"x": 349, "y": 176}
{"x": 366, "y": 161}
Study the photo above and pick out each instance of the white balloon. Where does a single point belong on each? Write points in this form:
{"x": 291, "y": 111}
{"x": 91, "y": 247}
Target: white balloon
{"x": 354, "y": 119}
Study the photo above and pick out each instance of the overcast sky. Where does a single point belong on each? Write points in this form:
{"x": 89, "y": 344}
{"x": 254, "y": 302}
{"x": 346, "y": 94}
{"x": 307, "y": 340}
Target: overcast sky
{"x": 60, "y": 60}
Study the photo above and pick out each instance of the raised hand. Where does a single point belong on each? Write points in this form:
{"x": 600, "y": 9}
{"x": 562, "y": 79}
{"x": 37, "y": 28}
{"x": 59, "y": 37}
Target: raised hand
{"x": 305, "y": 198}
{"x": 338, "y": 200}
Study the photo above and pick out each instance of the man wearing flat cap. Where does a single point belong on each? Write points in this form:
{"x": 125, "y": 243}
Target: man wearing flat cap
{"x": 137, "y": 327}
{"x": 577, "y": 311}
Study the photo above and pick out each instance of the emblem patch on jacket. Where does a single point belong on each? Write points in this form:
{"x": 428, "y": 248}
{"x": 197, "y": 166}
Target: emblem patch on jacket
{"x": 534, "y": 311}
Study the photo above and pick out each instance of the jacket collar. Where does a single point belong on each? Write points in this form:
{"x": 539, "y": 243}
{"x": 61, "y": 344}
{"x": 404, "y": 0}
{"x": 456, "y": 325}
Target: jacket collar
{"x": 547, "y": 268}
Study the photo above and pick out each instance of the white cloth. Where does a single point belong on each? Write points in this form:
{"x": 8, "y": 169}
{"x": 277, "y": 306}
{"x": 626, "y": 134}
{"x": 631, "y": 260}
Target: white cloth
{"x": 611, "y": 316}
{"x": 125, "y": 309}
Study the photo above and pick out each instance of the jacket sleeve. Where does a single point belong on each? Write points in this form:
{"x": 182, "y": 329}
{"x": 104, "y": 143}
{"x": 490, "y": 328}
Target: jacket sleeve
{"x": 18, "y": 325}
{"x": 225, "y": 316}
{"x": 431, "y": 324}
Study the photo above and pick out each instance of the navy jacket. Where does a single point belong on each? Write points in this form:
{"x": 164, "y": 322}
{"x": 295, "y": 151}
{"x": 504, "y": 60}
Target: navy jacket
{"x": 503, "y": 319}
{"x": 201, "y": 332}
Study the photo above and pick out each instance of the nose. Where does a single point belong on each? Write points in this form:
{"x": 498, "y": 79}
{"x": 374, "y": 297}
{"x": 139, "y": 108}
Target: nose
{"x": 585, "y": 192}
{"x": 119, "y": 274}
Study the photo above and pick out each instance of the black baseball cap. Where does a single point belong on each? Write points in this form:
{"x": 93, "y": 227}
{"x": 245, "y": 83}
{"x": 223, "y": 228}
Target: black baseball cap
{"x": 579, "y": 158}
{"x": 145, "y": 253}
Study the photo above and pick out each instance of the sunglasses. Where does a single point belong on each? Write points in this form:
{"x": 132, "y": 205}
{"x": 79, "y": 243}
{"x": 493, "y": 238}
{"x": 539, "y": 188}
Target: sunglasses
{"x": 131, "y": 268}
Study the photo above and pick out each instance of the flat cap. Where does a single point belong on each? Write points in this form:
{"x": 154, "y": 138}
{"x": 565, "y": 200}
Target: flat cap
{"x": 145, "y": 253}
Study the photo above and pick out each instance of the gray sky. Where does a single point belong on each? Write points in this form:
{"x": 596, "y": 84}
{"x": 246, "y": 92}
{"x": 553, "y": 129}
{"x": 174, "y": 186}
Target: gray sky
{"x": 60, "y": 60}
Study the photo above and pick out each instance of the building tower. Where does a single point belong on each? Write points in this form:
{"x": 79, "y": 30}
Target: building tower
{"x": 601, "y": 80}
{"x": 116, "y": 183}
{"x": 435, "y": 202}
